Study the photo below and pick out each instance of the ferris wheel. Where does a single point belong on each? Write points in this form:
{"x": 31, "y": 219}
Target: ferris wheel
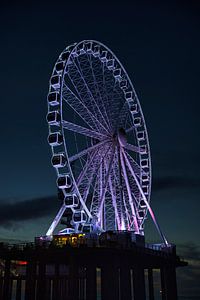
{"x": 99, "y": 143}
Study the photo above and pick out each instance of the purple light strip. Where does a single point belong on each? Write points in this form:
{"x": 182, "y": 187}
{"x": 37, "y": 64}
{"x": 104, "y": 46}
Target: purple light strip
{"x": 101, "y": 192}
{"x": 114, "y": 204}
{"x": 104, "y": 188}
{"x": 117, "y": 183}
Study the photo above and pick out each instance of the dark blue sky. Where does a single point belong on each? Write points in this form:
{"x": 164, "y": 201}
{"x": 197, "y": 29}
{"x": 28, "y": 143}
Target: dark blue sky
{"x": 159, "y": 45}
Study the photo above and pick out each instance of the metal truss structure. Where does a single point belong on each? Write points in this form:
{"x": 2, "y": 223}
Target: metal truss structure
{"x": 99, "y": 142}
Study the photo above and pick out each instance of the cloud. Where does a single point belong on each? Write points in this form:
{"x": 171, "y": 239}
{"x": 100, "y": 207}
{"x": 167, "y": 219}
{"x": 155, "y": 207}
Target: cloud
{"x": 189, "y": 250}
{"x": 188, "y": 277}
{"x": 11, "y": 213}
{"x": 172, "y": 182}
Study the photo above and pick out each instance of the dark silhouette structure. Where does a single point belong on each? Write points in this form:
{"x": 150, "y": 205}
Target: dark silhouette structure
{"x": 86, "y": 272}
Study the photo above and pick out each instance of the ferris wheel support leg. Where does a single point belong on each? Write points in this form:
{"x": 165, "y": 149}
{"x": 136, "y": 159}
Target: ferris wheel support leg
{"x": 129, "y": 193}
{"x": 56, "y": 220}
{"x": 145, "y": 200}
{"x": 104, "y": 189}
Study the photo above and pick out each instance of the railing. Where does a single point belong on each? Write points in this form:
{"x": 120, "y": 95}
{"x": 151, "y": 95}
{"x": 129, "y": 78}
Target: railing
{"x": 90, "y": 243}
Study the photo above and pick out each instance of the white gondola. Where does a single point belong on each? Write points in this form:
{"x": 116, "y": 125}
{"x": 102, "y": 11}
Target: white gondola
{"x": 79, "y": 217}
{"x": 59, "y": 160}
{"x": 59, "y": 66}
{"x": 71, "y": 201}
{"x": 140, "y": 214}
{"x": 110, "y": 64}
{"x": 143, "y": 149}
{"x": 117, "y": 74}
{"x": 96, "y": 51}
{"x": 142, "y": 204}
{"x": 64, "y": 182}
{"x": 133, "y": 107}
{"x": 137, "y": 121}
{"x": 123, "y": 84}
{"x": 55, "y": 81}
{"x": 53, "y": 118}
{"x": 54, "y": 98}
{"x": 65, "y": 55}
{"x": 104, "y": 56}
{"x": 129, "y": 96}
{"x": 145, "y": 189}
{"x": 55, "y": 139}
{"x": 88, "y": 47}
{"x": 140, "y": 135}
{"x": 81, "y": 48}
{"x": 144, "y": 163}
{"x": 145, "y": 178}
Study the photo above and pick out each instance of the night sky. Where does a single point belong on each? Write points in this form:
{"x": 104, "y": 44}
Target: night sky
{"x": 159, "y": 45}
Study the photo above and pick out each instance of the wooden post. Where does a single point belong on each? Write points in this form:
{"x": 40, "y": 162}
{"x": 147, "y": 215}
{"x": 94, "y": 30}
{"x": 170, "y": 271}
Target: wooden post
{"x": 56, "y": 282}
{"x": 6, "y": 286}
{"x": 41, "y": 284}
{"x": 109, "y": 282}
{"x": 169, "y": 278}
{"x": 150, "y": 282}
{"x": 30, "y": 280}
{"x": 19, "y": 289}
{"x": 139, "y": 283}
{"x": 73, "y": 279}
{"x": 91, "y": 283}
{"x": 125, "y": 281}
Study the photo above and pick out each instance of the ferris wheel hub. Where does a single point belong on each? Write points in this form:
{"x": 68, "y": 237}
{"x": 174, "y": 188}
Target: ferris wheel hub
{"x": 121, "y": 136}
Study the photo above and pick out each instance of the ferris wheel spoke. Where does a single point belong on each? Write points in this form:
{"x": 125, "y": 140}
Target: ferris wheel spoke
{"x": 89, "y": 185}
{"x": 132, "y": 148}
{"x": 97, "y": 95}
{"x": 81, "y": 109}
{"x": 98, "y": 91}
{"x": 84, "y": 90}
{"x": 106, "y": 91}
{"x": 129, "y": 192}
{"x": 87, "y": 167}
{"x": 124, "y": 114}
{"x": 130, "y": 129}
{"x": 86, "y": 151}
{"x": 135, "y": 166}
{"x": 82, "y": 130}
{"x": 94, "y": 163}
